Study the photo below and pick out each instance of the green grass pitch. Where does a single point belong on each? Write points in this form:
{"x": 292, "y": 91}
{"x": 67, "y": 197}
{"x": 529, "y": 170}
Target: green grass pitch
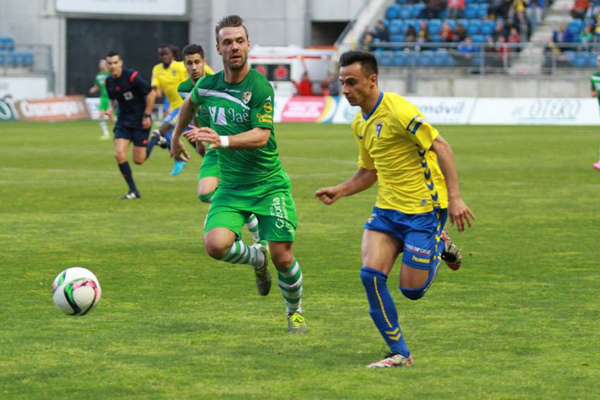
{"x": 520, "y": 320}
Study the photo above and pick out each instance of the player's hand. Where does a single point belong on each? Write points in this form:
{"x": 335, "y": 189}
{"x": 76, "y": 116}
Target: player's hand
{"x": 459, "y": 214}
{"x": 178, "y": 151}
{"x": 146, "y": 122}
{"x": 206, "y": 135}
{"x": 328, "y": 195}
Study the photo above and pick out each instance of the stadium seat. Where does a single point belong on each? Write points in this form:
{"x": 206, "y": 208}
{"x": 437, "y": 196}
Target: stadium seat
{"x": 405, "y": 12}
{"x": 396, "y": 27}
{"x": 417, "y": 8}
{"x": 471, "y": 11}
{"x": 592, "y": 57}
{"x": 580, "y": 60}
{"x": 7, "y": 43}
{"x": 399, "y": 59}
{"x": 2, "y": 60}
{"x": 483, "y": 9}
{"x": 385, "y": 57}
{"x": 487, "y": 27}
{"x": 425, "y": 58}
{"x": 452, "y": 23}
{"x": 392, "y": 12}
{"x": 575, "y": 26}
{"x": 474, "y": 27}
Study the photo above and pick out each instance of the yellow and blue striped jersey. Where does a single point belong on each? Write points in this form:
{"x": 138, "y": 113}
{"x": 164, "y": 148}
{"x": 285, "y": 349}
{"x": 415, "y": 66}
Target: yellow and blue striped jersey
{"x": 395, "y": 140}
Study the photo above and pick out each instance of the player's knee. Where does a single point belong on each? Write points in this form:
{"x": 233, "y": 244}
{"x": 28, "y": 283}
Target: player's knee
{"x": 121, "y": 156}
{"x": 282, "y": 260}
{"x": 139, "y": 161}
{"x": 413, "y": 293}
{"x": 216, "y": 250}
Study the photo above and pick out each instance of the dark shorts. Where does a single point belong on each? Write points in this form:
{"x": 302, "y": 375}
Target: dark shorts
{"x": 138, "y": 136}
{"x": 420, "y": 234}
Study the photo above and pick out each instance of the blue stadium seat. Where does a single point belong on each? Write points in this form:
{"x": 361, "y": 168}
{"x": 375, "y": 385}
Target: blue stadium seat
{"x": 411, "y": 58}
{"x": 592, "y": 57}
{"x": 398, "y": 38}
{"x": 396, "y": 27}
{"x": 483, "y": 9}
{"x": 473, "y": 27}
{"x": 452, "y": 23}
{"x": 406, "y": 12}
{"x": 385, "y": 58}
{"x": 401, "y": 1}
{"x": 7, "y": 43}
{"x": 2, "y": 60}
{"x": 580, "y": 60}
{"x": 392, "y": 12}
{"x": 478, "y": 39}
{"x": 471, "y": 11}
{"x": 399, "y": 59}
{"x": 425, "y": 59}
{"x": 27, "y": 59}
{"x": 487, "y": 27}
{"x": 417, "y": 9}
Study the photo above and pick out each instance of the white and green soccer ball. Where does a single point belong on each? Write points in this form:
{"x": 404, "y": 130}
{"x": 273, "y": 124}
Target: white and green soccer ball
{"x": 76, "y": 291}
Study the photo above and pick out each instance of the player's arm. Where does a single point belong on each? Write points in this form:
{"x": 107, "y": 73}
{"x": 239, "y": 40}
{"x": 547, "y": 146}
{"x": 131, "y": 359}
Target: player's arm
{"x": 186, "y": 113}
{"x": 252, "y": 139}
{"x": 94, "y": 89}
{"x": 363, "y": 179}
{"x": 458, "y": 212}
{"x": 150, "y": 99}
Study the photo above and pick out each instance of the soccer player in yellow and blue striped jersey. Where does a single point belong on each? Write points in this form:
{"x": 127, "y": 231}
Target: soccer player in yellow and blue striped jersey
{"x": 418, "y": 188}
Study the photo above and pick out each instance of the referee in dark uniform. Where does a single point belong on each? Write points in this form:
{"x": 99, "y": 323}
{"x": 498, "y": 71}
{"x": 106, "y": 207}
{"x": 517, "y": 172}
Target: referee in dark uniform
{"x": 136, "y": 101}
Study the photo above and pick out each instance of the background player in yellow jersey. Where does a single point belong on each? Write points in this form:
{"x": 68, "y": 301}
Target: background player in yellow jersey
{"x": 166, "y": 76}
{"x": 418, "y": 188}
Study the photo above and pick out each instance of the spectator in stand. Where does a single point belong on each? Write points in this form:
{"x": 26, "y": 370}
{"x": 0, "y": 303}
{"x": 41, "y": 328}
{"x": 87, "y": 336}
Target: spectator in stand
{"x": 503, "y": 50}
{"x": 382, "y": 32}
{"x": 466, "y": 50}
{"x": 446, "y": 33}
{"x": 367, "y": 41}
{"x": 586, "y": 36}
{"x": 423, "y": 35}
{"x": 411, "y": 34}
{"x": 580, "y": 8}
{"x": 330, "y": 85}
{"x": 490, "y": 46}
{"x": 460, "y": 33}
{"x": 499, "y": 31}
{"x": 513, "y": 36}
{"x": 523, "y": 25}
{"x": 304, "y": 88}
{"x": 559, "y": 37}
{"x": 455, "y": 9}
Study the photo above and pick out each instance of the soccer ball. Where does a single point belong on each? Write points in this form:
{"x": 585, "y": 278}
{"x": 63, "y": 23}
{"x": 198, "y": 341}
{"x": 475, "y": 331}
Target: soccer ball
{"x": 76, "y": 291}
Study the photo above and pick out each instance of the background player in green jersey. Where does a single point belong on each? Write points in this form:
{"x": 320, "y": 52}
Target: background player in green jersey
{"x": 252, "y": 179}
{"x": 596, "y": 93}
{"x": 208, "y": 177}
{"x": 105, "y": 108}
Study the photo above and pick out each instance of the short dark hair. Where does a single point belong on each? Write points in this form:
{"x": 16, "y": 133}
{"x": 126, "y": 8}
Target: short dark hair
{"x": 230, "y": 21}
{"x": 112, "y": 53}
{"x": 193, "y": 49}
{"x": 367, "y": 61}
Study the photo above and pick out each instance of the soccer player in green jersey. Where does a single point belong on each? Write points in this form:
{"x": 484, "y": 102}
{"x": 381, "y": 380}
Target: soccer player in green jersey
{"x": 252, "y": 179}
{"x": 596, "y": 93}
{"x": 105, "y": 108}
{"x": 208, "y": 177}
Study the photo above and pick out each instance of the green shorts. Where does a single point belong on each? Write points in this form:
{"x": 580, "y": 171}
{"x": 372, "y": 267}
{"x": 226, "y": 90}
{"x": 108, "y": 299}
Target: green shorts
{"x": 210, "y": 164}
{"x": 104, "y": 104}
{"x": 271, "y": 201}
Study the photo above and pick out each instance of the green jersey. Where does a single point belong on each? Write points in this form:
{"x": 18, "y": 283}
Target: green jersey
{"x": 184, "y": 89}
{"x": 237, "y": 108}
{"x": 596, "y": 83}
{"x": 101, "y": 83}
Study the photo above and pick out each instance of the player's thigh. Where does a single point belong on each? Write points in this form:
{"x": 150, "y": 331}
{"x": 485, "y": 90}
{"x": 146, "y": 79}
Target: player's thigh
{"x": 413, "y": 277}
{"x": 379, "y": 250}
{"x": 282, "y": 254}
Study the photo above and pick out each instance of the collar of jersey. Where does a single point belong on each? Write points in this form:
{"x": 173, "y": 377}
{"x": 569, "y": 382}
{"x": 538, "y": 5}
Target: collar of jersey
{"x": 366, "y": 117}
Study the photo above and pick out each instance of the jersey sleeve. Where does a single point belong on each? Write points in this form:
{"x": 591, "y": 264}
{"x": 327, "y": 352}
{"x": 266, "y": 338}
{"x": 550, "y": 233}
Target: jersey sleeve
{"x": 196, "y": 98}
{"x": 262, "y": 110}
{"x": 364, "y": 158}
{"x": 140, "y": 83}
{"x": 414, "y": 126}
{"x": 154, "y": 80}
